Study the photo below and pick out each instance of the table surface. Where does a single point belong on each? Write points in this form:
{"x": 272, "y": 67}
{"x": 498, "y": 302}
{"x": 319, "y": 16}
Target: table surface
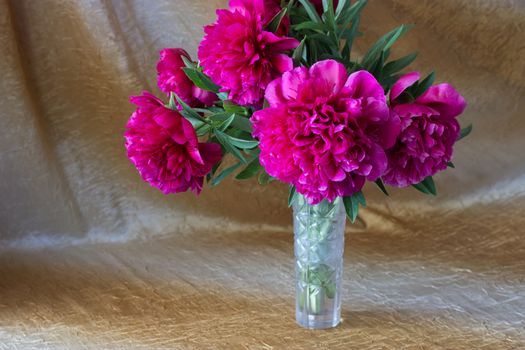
{"x": 424, "y": 290}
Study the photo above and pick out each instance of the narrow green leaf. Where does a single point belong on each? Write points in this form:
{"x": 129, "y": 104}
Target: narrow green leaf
{"x": 224, "y": 140}
{"x": 250, "y": 171}
{"x": 225, "y": 173}
{"x": 341, "y": 7}
{"x": 351, "y": 13}
{"x": 231, "y": 107}
{"x": 399, "y": 64}
{"x": 421, "y": 87}
{"x": 202, "y": 129}
{"x": 243, "y": 123}
{"x": 194, "y": 118}
{"x": 299, "y": 51}
{"x": 329, "y": 14}
{"x": 351, "y": 207}
{"x": 349, "y": 36}
{"x": 188, "y": 62}
{"x": 276, "y": 21}
{"x": 360, "y": 198}
{"x": 226, "y": 124}
{"x": 384, "y": 43}
{"x": 381, "y": 185}
{"x": 426, "y": 186}
{"x": 311, "y": 11}
{"x": 242, "y": 144}
{"x": 171, "y": 104}
{"x": 201, "y": 80}
{"x": 264, "y": 178}
{"x": 239, "y": 122}
{"x": 451, "y": 165}
{"x": 223, "y": 96}
{"x": 465, "y": 132}
{"x": 292, "y": 196}
{"x": 319, "y": 27}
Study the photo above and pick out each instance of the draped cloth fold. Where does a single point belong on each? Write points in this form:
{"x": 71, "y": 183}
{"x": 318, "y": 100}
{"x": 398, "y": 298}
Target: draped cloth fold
{"x": 91, "y": 257}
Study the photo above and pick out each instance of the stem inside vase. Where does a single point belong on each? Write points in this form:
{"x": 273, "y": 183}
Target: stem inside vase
{"x": 319, "y": 240}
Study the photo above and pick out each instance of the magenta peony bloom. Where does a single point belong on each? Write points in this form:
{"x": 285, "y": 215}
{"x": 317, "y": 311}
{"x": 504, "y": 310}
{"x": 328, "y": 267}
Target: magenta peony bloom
{"x": 325, "y": 132}
{"x": 171, "y": 78}
{"x": 429, "y": 132}
{"x": 239, "y": 55}
{"x": 164, "y": 147}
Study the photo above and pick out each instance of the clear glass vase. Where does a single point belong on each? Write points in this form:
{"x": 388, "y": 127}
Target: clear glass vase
{"x": 319, "y": 244}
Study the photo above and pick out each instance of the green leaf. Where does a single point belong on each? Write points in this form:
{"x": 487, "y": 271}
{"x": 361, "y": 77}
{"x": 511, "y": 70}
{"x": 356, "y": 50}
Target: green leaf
{"x": 239, "y": 122}
{"x": 225, "y": 173}
{"x": 250, "y": 171}
{"x": 465, "y": 132}
{"x": 341, "y": 6}
{"x": 223, "y": 96}
{"x": 329, "y": 14}
{"x": 188, "y": 62}
{"x": 224, "y": 140}
{"x": 298, "y": 53}
{"x": 427, "y": 186}
{"x": 226, "y": 124}
{"x": 451, "y": 165}
{"x": 171, "y": 104}
{"x": 292, "y": 196}
{"x": 231, "y": 107}
{"x": 349, "y": 35}
{"x": 202, "y": 129}
{"x": 399, "y": 64}
{"x": 201, "y": 80}
{"x": 242, "y": 144}
{"x": 311, "y": 11}
{"x": 264, "y": 178}
{"x": 383, "y": 44}
{"x": 360, "y": 198}
{"x": 352, "y": 206}
{"x": 350, "y": 14}
{"x": 195, "y": 118}
{"x": 421, "y": 87}
{"x": 275, "y": 23}
{"x": 381, "y": 185}
{"x": 318, "y": 27}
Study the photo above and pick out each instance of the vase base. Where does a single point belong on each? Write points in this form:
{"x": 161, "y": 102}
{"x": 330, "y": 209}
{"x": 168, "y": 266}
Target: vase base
{"x": 316, "y": 321}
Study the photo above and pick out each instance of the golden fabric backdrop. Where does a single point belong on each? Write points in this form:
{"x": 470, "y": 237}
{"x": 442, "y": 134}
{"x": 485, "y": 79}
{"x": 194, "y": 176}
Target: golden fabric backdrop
{"x": 92, "y": 257}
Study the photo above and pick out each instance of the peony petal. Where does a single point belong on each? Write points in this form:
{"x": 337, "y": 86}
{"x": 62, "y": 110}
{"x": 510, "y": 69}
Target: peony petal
{"x": 211, "y": 153}
{"x": 282, "y": 63}
{"x": 409, "y": 110}
{"x": 402, "y": 84}
{"x": 333, "y": 72}
{"x": 207, "y": 98}
{"x": 363, "y": 84}
{"x": 444, "y": 99}
{"x": 285, "y": 89}
{"x": 146, "y": 100}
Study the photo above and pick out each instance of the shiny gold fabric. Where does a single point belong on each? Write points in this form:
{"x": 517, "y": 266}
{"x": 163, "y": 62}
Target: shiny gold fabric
{"x": 92, "y": 258}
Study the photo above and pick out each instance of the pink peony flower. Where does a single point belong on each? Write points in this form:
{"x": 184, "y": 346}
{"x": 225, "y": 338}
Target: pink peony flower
{"x": 171, "y": 78}
{"x": 239, "y": 55}
{"x": 164, "y": 147}
{"x": 325, "y": 132}
{"x": 429, "y": 132}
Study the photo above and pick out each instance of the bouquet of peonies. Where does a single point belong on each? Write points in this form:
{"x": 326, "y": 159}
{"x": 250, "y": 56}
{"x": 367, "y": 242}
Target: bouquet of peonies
{"x": 278, "y": 88}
